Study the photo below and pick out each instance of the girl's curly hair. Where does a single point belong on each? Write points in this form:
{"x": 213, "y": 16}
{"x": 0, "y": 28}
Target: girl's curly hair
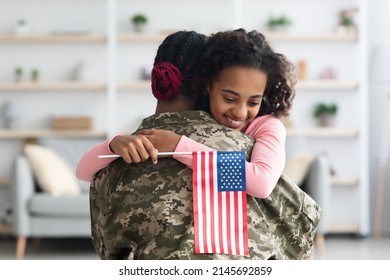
{"x": 239, "y": 48}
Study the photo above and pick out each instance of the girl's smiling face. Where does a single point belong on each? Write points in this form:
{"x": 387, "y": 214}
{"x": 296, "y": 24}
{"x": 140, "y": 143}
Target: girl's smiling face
{"x": 236, "y": 95}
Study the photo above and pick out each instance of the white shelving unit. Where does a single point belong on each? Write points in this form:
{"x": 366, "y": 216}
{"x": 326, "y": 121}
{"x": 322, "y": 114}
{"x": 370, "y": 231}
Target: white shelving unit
{"x": 55, "y": 46}
{"x": 347, "y": 142}
{"x": 117, "y": 54}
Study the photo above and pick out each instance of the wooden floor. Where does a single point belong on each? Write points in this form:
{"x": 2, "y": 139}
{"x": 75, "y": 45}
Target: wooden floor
{"x": 336, "y": 248}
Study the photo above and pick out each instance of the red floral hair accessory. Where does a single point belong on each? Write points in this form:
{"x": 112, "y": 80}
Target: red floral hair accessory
{"x": 166, "y": 80}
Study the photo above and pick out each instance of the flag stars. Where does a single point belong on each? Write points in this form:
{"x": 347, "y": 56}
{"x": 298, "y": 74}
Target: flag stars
{"x": 231, "y": 175}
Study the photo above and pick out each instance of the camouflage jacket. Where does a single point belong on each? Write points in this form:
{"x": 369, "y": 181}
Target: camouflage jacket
{"x": 144, "y": 211}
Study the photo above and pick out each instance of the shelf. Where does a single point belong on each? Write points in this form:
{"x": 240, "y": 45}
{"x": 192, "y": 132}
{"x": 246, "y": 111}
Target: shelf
{"x": 52, "y": 86}
{"x": 303, "y": 85}
{"x": 52, "y": 39}
{"x": 138, "y": 85}
{"x": 344, "y": 228}
{"x": 37, "y": 133}
{"x": 327, "y": 84}
{"x": 142, "y": 37}
{"x": 322, "y": 132}
{"x": 325, "y": 37}
{"x": 344, "y": 181}
{"x": 271, "y": 36}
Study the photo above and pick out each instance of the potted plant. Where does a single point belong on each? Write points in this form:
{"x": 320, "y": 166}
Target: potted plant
{"x": 22, "y": 27}
{"x": 325, "y": 113}
{"x": 346, "y": 22}
{"x": 18, "y": 74}
{"x": 34, "y": 75}
{"x": 139, "y": 22}
{"x": 280, "y": 23}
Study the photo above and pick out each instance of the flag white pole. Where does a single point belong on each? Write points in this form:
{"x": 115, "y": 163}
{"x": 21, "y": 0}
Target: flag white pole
{"x": 158, "y": 154}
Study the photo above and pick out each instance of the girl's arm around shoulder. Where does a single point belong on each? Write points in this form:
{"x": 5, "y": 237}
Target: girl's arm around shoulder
{"x": 188, "y": 145}
{"x": 168, "y": 141}
{"x": 89, "y": 163}
{"x": 268, "y": 155}
{"x": 266, "y": 124}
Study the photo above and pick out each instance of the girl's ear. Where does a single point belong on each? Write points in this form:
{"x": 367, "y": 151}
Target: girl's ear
{"x": 207, "y": 90}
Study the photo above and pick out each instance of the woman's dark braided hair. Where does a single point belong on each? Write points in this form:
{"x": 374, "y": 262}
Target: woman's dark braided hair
{"x": 175, "y": 64}
{"x": 238, "y": 48}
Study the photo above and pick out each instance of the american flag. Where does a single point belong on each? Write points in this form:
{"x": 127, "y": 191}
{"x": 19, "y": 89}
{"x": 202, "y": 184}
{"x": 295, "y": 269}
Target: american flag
{"x": 219, "y": 197}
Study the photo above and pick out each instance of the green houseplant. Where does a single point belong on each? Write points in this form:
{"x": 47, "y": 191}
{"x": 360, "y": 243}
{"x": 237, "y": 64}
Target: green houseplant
{"x": 325, "y": 113}
{"x": 346, "y": 21}
{"x": 34, "y": 75}
{"x": 18, "y": 74}
{"x": 139, "y": 22}
{"x": 280, "y": 23}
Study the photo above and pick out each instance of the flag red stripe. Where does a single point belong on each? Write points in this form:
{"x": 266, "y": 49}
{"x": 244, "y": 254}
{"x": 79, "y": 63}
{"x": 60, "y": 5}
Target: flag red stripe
{"x": 220, "y": 219}
{"x": 245, "y": 224}
{"x": 224, "y": 219}
{"x": 236, "y": 229}
{"x": 211, "y": 207}
{"x": 204, "y": 209}
{"x": 206, "y": 194}
{"x": 195, "y": 200}
{"x": 217, "y": 211}
{"x": 229, "y": 225}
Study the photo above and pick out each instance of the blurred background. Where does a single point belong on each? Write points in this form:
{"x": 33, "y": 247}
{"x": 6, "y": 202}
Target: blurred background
{"x": 75, "y": 72}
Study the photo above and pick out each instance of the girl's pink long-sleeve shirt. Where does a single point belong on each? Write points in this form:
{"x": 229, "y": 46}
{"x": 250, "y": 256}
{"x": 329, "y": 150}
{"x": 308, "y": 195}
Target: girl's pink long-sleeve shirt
{"x": 89, "y": 163}
{"x": 262, "y": 172}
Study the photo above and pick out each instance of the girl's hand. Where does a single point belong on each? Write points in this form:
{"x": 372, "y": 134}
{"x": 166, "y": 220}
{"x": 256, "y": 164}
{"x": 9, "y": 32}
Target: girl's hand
{"x": 133, "y": 148}
{"x": 163, "y": 140}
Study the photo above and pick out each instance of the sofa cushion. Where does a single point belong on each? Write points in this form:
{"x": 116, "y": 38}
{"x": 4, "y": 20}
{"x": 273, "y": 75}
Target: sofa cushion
{"x": 65, "y": 206}
{"x": 71, "y": 151}
{"x": 52, "y": 173}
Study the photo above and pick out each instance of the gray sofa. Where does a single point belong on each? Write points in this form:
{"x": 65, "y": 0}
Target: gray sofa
{"x": 318, "y": 185}
{"x": 38, "y": 214}
{"x": 315, "y": 179}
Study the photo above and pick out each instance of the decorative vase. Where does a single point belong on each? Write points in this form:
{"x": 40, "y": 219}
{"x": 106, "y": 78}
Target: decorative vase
{"x": 325, "y": 120}
{"x": 279, "y": 28}
{"x": 83, "y": 73}
{"x": 139, "y": 27}
{"x": 12, "y": 113}
{"x": 145, "y": 74}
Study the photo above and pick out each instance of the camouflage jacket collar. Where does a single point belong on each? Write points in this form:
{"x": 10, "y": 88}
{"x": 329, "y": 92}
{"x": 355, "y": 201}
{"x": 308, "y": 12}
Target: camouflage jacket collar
{"x": 176, "y": 118}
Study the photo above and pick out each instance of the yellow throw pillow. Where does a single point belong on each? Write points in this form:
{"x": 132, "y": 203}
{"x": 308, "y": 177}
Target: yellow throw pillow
{"x": 51, "y": 171}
